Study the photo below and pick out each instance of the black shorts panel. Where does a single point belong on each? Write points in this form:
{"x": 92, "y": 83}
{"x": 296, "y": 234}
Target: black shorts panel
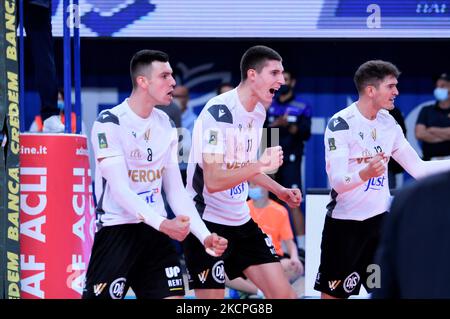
{"x": 348, "y": 248}
{"x": 136, "y": 256}
{"x": 247, "y": 246}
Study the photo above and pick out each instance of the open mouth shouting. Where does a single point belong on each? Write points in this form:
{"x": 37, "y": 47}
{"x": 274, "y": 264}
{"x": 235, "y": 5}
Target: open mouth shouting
{"x": 273, "y": 90}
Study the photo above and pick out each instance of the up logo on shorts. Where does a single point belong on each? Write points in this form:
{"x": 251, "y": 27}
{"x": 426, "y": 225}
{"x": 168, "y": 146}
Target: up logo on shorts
{"x": 172, "y": 272}
{"x": 268, "y": 241}
{"x": 218, "y": 272}
{"x": 318, "y": 278}
{"x": 351, "y": 282}
{"x": 117, "y": 288}
{"x": 269, "y": 244}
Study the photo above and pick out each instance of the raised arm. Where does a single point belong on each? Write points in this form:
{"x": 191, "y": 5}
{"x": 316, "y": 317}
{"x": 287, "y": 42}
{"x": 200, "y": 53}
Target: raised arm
{"x": 407, "y": 157}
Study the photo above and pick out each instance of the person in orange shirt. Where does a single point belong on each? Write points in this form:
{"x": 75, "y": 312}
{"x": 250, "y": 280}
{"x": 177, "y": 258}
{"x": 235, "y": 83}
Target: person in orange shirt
{"x": 273, "y": 219}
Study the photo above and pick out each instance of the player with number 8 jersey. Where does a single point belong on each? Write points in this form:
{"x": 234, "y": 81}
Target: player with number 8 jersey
{"x": 135, "y": 149}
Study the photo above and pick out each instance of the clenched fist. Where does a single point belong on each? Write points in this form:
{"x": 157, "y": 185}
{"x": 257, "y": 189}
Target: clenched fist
{"x": 271, "y": 159}
{"x": 215, "y": 245}
{"x": 376, "y": 167}
{"x": 177, "y": 228}
{"x": 291, "y": 196}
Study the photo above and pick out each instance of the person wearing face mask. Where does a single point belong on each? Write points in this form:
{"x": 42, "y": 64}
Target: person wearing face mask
{"x": 433, "y": 123}
{"x": 38, "y": 124}
{"x": 292, "y": 116}
{"x": 273, "y": 219}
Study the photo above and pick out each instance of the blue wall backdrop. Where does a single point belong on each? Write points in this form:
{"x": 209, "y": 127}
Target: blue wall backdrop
{"x": 324, "y": 70}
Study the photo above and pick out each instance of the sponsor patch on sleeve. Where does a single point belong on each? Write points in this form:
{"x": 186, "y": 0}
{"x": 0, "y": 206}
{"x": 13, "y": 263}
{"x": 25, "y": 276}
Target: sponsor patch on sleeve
{"x": 213, "y": 137}
{"x": 102, "y": 142}
{"x": 332, "y": 144}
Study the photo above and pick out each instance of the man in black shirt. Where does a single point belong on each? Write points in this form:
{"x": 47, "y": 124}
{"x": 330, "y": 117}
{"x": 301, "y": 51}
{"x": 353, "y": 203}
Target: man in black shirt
{"x": 433, "y": 123}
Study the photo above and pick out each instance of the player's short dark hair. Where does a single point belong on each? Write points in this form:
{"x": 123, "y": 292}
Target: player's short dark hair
{"x": 143, "y": 59}
{"x": 256, "y": 58}
{"x": 373, "y": 72}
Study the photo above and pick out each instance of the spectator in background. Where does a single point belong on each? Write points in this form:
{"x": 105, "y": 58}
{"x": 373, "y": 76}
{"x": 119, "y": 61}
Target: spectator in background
{"x": 292, "y": 116}
{"x": 38, "y": 26}
{"x": 273, "y": 219}
{"x": 393, "y": 167}
{"x": 433, "y": 123}
{"x": 38, "y": 124}
{"x": 173, "y": 111}
{"x": 188, "y": 117}
{"x": 224, "y": 87}
{"x": 413, "y": 252}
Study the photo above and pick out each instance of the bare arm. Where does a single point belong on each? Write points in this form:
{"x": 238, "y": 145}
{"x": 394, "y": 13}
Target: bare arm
{"x": 425, "y": 134}
{"x": 442, "y": 132}
{"x": 241, "y": 284}
{"x": 291, "y": 248}
{"x": 292, "y": 196}
{"x": 295, "y": 265}
{"x": 266, "y": 182}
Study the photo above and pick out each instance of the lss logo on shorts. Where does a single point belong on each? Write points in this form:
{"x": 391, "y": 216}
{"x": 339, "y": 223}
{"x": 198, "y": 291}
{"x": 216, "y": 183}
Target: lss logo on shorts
{"x": 117, "y": 288}
{"x": 218, "y": 272}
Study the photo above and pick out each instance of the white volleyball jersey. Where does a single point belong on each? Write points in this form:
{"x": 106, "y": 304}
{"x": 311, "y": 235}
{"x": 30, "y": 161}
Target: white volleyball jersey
{"x": 224, "y": 127}
{"x": 145, "y": 144}
{"x": 352, "y": 136}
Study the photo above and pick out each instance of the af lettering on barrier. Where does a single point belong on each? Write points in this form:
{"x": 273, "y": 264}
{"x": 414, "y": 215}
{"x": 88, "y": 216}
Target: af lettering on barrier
{"x": 57, "y": 215}
{"x": 9, "y": 140}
